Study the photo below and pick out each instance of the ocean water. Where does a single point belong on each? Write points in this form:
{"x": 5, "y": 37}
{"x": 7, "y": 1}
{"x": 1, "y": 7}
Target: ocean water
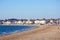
{"x": 4, "y": 30}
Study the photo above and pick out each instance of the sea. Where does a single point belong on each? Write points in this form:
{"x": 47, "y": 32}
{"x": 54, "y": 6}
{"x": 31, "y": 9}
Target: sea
{"x": 9, "y": 29}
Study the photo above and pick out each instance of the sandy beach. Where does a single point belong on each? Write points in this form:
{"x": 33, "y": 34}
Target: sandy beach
{"x": 43, "y": 32}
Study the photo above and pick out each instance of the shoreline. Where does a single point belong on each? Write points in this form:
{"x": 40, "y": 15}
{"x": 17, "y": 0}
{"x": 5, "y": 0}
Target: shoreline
{"x": 25, "y": 33}
{"x": 37, "y": 27}
{"x": 17, "y": 25}
{"x": 33, "y": 27}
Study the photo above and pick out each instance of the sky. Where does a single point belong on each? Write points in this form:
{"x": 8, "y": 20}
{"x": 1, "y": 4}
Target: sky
{"x": 29, "y": 9}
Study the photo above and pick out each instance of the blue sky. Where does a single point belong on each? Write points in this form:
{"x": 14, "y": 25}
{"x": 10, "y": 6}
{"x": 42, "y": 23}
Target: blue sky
{"x": 29, "y": 9}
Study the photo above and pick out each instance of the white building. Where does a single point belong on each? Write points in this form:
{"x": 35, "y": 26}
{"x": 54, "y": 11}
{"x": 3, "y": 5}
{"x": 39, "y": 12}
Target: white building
{"x": 7, "y": 22}
{"x": 29, "y": 22}
{"x": 40, "y": 22}
{"x": 51, "y": 21}
{"x": 19, "y": 22}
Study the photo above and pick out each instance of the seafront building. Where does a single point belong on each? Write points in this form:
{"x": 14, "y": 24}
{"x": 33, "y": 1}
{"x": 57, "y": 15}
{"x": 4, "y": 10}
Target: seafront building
{"x": 31, "y": 21}
{"x": 19, "y": 22}
{"x": 42, "y": 22}
{"x": 6, "y": 22}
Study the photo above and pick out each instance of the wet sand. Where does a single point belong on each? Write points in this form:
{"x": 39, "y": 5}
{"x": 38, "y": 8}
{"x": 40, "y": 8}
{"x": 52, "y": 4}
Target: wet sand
{"x": 41, "y": 33}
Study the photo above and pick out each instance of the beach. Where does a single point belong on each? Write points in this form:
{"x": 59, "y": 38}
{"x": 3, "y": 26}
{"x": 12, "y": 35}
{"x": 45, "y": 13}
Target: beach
{"x": 43, "y": 32}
